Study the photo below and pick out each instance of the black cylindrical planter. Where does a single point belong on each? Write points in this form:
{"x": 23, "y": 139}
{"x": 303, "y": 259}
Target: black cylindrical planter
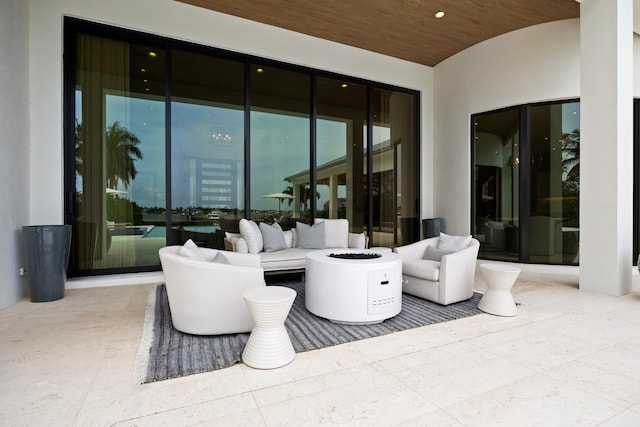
{"x": 47, "y": 255}
{"x": 432, "y": 227}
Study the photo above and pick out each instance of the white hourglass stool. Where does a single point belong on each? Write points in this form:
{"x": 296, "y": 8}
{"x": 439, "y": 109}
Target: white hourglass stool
{"x": 269, "y": 345}
{"x": 498, "y": 299}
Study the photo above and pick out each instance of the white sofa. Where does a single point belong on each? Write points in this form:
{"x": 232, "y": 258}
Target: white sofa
{"x": 446, "y": 281}
{"x": 291, "y": 257}
{"x": 205, "y": 292}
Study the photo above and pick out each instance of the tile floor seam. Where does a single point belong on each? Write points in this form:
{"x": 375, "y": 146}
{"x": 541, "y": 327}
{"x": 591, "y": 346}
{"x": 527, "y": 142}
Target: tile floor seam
{"x": 584, "y": 390}
{"x": 567, "y": 383}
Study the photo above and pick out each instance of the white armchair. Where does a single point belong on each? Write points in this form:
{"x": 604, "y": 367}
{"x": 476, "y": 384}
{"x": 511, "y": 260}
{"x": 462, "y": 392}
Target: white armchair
{"x": 205, "y": 297}
{"x": 445, "y": 282}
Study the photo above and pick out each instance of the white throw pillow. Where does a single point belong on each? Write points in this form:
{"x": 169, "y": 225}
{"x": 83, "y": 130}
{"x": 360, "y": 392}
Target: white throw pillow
{"x": 453, "y": 243}
{"x": 240, "y": 245}
{"x": 357, "y": 241}
{"x": 191, "y": 250}
{"x": 250, "y": 232}
{"x": 336, "y": 232}
{"x": 288, "y": 238}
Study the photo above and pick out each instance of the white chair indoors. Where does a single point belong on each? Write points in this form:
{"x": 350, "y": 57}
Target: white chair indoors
{"x": 205, "y": 286}
{"x": 440, "y": 269}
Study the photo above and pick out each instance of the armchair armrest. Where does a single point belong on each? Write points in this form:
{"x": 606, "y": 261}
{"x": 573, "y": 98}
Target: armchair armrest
{"x": 457, "y": 274}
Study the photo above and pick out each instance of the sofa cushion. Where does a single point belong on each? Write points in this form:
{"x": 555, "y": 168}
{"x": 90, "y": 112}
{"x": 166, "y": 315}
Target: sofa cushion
{"x": 250, "y": 232}
{"x": 311, "y": 237}
{"x": 286, "y": 259}
{"x": 336, "y": 232}
{"x": 191, "y": 250}
{"x": 357, "y": 240}
{"x": 453, "y": 243}
{"x": 435, "y": 254}
{"x": 422, "y": 268}
{"x": 272, "y": 237}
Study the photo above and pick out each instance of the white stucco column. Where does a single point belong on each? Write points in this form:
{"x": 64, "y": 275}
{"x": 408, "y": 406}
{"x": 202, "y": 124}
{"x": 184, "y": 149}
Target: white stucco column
{"x": 606, "y": 145}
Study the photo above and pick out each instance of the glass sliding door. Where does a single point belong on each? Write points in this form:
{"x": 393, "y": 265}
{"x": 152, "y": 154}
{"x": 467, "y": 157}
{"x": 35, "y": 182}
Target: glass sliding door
{"x": 119, "y": 153}
{"x": 526, "y": 183}
{"x": 207, "y": 145}
{"x": 167, "y": 141}
{"x": 280, "y": 185}
{"x": 340, "y": 150}
{"x": 394, "y": 173}
{"x": 496, "y": 183}
{"x": 555, "y": 183}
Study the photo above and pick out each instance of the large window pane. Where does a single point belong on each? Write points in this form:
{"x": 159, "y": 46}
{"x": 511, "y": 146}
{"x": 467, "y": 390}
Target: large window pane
{"x": 395, "y": 175}
{"x": 280, "y": 129}
{"x": 340, "y": 150}
{"x": 207, "y": 145}
{"x": 555, "y": 173}
{"x": 119, "y": 152}
{"x": 496, "y": 184}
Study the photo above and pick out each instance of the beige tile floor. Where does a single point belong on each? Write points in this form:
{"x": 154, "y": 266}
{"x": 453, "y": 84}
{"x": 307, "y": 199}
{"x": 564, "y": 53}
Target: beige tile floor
{"x": 570, "y": 358}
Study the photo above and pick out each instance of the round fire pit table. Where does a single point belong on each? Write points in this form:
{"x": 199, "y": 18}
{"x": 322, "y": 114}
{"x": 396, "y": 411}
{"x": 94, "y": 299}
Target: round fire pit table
{"x": 353, "y": 286}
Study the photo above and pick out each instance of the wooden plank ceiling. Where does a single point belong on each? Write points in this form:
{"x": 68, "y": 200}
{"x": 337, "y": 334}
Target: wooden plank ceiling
{"x": 405, "y": 29}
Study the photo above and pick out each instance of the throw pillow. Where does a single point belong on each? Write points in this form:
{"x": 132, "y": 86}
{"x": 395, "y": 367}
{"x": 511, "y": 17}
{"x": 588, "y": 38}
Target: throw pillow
{"x": 453, "y": 243}
{"x": 220, "y": 258}
{"x": 272, "y": 237}
{"x": 310, "y": 237}
{"x": 357, "y": 241}
{"x": 336, "y": 232}
{"x": 191, "y": 250}
{"x": 250, "y": 232}
{"x": 240, "y": 245}
{"x": 434, "y": 254}
{"x": 288, "y": 238}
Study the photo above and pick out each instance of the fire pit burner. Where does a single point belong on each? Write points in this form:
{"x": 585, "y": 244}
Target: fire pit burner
{"x": 355, "y": 255}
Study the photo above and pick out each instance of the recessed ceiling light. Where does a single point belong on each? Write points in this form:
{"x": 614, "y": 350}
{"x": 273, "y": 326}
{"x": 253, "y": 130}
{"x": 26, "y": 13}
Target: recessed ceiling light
{"x": 343, "y": 85}
{"x": 153, "y": 54}
{"x": 259, "y": 70}
{"x": 439, "y": 14}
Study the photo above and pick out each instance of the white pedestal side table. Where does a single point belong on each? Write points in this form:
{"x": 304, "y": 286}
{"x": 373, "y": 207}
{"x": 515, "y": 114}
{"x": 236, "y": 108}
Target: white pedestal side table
{"x": 498, "y": 299}
{"x": 269, "y": 345}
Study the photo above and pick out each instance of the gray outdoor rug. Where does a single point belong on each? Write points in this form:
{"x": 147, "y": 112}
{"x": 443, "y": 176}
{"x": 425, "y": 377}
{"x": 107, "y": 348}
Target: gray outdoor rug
{"x": 167, "y": 353}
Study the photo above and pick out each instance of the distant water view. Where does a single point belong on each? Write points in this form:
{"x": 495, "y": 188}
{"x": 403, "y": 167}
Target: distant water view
{"x": 161, "y": 231}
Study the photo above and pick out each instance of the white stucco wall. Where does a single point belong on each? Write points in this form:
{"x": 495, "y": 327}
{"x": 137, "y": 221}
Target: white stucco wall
{"x": 14, "y": 144}
{"x": 538, "y": 63}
